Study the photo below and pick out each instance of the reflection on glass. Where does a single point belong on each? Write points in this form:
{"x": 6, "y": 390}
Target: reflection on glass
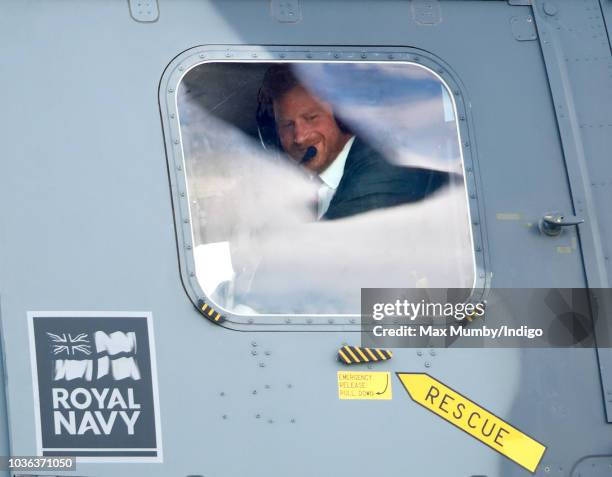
{"x": 310, "y": 181}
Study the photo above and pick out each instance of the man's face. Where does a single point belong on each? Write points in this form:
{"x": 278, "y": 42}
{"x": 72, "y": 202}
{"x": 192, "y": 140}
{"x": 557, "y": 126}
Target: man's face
{"x": 302, "y": 121}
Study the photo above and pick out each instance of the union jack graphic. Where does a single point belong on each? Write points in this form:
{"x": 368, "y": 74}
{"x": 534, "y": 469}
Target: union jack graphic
{"x": 70, "y": 344}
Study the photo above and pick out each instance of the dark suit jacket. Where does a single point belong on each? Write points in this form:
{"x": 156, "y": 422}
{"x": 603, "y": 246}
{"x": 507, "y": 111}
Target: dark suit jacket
{"x": 371, "y": 182}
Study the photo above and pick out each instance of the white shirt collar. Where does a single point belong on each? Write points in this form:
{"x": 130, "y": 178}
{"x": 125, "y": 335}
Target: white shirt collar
{"x": 333, "y": 174}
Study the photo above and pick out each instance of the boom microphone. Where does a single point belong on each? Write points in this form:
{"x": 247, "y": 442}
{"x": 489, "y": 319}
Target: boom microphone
{"x": 310, "y": 153}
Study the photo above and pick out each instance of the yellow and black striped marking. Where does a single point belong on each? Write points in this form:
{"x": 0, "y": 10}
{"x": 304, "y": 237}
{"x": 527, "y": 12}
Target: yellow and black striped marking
{"x": 210, "y": 313}
{"x": 358, "y": 355}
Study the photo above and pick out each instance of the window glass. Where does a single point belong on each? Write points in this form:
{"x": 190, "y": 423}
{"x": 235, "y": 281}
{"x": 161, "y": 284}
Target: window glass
{"x": 309, "y": 181}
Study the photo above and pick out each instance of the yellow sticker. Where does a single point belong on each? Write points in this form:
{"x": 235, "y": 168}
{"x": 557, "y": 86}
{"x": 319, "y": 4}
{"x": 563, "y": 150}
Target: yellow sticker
{"x": 508, "y": 216}
{"x": 473, "y": 419}
{"x": 364, "y": 385}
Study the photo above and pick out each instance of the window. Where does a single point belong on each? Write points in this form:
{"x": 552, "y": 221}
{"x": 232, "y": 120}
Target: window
{"x": 309, "y": 180}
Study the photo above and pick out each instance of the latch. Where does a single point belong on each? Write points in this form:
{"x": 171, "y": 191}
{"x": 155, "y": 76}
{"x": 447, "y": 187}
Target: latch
{"x": 552, "y": 224}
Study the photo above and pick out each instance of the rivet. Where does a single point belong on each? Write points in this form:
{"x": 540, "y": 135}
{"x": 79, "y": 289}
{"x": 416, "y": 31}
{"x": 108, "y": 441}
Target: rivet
{"x": 353, "y": 320}
{"x": 254, "y": 55}
{"x": 309, "y": 321}
{"x": 416, "y": 58}
{"x": 478, "y": 248}
{"x": 547, "y": 469}
{"x": 336, "y": 55}
{"x": 202, "y": 55}
{"x": 182, "y": 194}
{"x": 250, "y": 321}
{"x": 390, "y": 57}
{"x": 254, "y": 391}
{"x": 179, "y": 168}
{"x": 292, "y": 421}
{"x": 472, "y": 195}
{"x": 427, "y": 364}
{"x": 456, "y": 92}
{"x": 432, "y": 352}
{"x": 469, "y": 168}
{"x": 475, "y": 222}
{"x": 462, "y": 118}
{"x": 309, "y": 55}
{"x": 254, "y": 353}
{"x": 172, "y": 116}
{"x": 257, "y": 416}
{"x": 228, "y": 55}
{"x": 188, "y": 247}
{"x": 170, "y": 90}
{"x": 254, "y": 344}
{"x": 262, "y": 365}
{"x": 330, "y": 321}
{"x": 181, "y": 68}
{"x": 221, "y": 394}
{"x": 363, "y": 55}
{"x": 288, "y": 321}
{"x": 176, "y": 141}
{"x": 440, "y": 71}
{"x": 419, "y": 353}
{"x": 289, "y": 386}
{"x": 186, "y": 221}
{"x": 466, "y": 144}
{"x": 224, "y": 416}
{"x": 267, "y": 386}
{"x": 270, "y": 421}
{"x": 282, "y": 55}
{"x": 267, "y": 353}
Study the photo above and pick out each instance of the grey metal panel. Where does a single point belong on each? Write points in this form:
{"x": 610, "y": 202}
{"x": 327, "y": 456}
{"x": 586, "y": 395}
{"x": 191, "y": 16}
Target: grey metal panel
{"x": 577, "y": 55}
{"x": 87, "y": 225}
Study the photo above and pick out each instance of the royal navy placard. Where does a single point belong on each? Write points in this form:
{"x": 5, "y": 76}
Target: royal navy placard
{"x": 95, "y": 385}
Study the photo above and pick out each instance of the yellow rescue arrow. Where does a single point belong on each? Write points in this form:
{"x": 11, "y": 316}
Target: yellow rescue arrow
{"x": 473, "y": 419}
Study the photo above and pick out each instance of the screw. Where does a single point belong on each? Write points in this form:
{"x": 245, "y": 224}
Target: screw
{"x": 427, "y": 364}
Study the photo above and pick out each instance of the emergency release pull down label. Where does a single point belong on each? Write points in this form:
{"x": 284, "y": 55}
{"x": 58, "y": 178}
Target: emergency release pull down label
{"x": 473, "y": 419}
{"x": 364, "y": 385}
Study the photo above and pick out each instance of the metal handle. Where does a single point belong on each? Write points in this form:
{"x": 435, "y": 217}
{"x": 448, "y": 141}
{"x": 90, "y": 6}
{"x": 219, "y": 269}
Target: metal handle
{"x": 552, "y": 224}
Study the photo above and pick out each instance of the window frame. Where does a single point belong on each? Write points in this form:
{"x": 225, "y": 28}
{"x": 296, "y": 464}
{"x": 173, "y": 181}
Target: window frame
{"x": 168, "y": 103}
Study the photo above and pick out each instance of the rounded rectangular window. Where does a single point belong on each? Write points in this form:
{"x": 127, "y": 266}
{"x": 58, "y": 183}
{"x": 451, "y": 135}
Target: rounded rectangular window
{"x": 308, "y": 181}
